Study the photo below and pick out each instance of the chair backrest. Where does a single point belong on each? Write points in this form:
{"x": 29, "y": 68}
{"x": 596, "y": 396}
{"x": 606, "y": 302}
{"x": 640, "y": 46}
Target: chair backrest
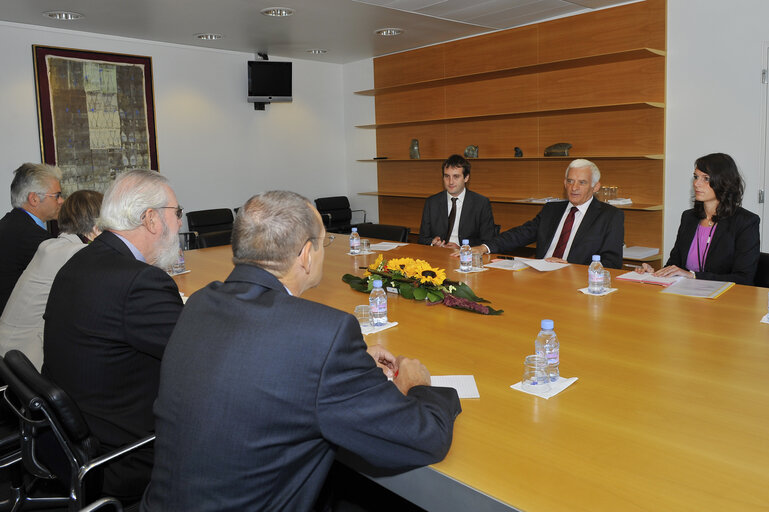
{"x": 214, "y": 239}
{"x": 335, "y": 211}
{"x": 762, "y": 272}
{"x": 205, "y": 221}
{"x": 385, "y": 232}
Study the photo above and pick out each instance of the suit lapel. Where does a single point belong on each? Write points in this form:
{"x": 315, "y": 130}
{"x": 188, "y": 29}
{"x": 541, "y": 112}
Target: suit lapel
{"x": 467, "y": 206}
{"x": 590, "y": 215}
{"x": 554, "y": 220}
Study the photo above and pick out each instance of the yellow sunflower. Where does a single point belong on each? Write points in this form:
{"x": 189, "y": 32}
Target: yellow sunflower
{"x": 377, "y": 265}
{"x": 428, "y": 274}
{"x": 400, "y": 265}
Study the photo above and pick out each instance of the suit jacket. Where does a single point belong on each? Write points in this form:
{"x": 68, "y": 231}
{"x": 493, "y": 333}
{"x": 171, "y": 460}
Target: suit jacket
{"x": 257, "y": 390}
{"x": 734, "y": 249}
{"x": 476, "y": 222}
{"x": 108, "y": 319}
{"x": 602, "y": 231}
{"x": 19, "y": 238}
{"x": 21, "y": 324}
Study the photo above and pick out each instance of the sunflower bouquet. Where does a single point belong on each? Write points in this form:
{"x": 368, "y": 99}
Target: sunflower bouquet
{"x": 418, "y": 280}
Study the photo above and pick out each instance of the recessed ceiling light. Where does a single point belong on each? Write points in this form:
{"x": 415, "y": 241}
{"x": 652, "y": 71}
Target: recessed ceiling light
{"x": 316, "y": 51}
{"x": 277, "y": 11}
{"x": 209, "y": 36}
{"x": 63, "y": 15}
{"x": 389, "y": 31}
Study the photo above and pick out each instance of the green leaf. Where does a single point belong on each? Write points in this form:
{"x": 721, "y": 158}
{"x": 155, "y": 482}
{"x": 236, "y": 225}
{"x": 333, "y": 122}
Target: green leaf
{"x": 407, "y": 291}
{"x": 434, "y": 296}
{"x": 466, "y": 292}
{"x": 356, "y": 283}
{"x": 420, "y": 293}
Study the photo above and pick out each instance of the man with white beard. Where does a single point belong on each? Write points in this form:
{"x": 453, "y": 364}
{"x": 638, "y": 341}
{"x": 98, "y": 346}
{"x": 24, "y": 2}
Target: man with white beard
{"x": 110, "y": 312}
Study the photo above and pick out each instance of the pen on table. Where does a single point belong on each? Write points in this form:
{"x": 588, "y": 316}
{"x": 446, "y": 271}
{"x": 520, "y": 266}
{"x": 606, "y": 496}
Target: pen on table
{"x": 632, "y": 266}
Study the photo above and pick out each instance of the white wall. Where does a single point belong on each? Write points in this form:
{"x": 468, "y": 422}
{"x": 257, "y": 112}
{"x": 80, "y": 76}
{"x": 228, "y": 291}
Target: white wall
{"x": 213, "y": 146}
{"x": 714, "y": 95}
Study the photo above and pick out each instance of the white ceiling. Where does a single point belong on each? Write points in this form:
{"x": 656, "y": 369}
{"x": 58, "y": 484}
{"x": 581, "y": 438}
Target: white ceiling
{"x": 345, "y": 28}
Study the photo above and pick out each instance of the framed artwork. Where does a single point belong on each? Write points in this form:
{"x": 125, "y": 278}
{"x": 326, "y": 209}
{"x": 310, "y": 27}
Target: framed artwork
{"x": 96, "y": 114}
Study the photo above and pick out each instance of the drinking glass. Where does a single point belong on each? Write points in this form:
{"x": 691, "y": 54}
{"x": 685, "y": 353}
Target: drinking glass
{"x": 606, "y": 280}
{"x": 477, "y": 261}
{"x": 363, "y": 314}
{"x": 365, "y": 245}
{"x": 535, "y": 376}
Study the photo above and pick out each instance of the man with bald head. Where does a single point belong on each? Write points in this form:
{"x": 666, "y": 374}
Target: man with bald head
{"x": 36, "y": 199}
{"x": 574, "y": 230}
{"x": 259, "y": 387}
{"x": 110, "y": 312}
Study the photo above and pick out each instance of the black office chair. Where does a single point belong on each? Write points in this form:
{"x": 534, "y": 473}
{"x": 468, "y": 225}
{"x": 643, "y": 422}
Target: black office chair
{"x": 218, "y": 220}
{"x": 56, "y": 442}
{"x": 336, "y": 213}
{"x": 762, "y": 272}
{"x": 384, "y": 231}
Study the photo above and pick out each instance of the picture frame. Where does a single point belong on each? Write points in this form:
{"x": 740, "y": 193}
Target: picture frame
{"x": 96, "y": 114}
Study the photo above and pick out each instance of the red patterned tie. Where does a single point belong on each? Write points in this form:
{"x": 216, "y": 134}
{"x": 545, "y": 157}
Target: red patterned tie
{"x": 565, "y": 232}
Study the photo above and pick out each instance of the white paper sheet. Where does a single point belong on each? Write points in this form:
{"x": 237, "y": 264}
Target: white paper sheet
{"x": 542, "y": 265}
{"x": 507, "y": 265}
{"x": 649, "y": 278}
{"x": 370, "y": 329}
{"x": 386, "y": 246}
{"x": 464, "y": 384}
{"x": 555, "y": 387}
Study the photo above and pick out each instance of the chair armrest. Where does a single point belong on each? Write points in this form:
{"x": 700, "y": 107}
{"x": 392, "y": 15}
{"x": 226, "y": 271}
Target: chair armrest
{"x": 107, "y": 457}
{"x": 117, "y": 506}
{"x": 364, "y": 214}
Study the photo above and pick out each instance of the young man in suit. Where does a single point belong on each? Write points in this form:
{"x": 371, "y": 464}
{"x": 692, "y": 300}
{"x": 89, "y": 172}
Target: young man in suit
{"x": 457, "y": 213}
{"x": 259, "y": 387}
{"x": 109, "y": 315}
{"x": 573, "y": 230}
{"x": 36, "y": 199}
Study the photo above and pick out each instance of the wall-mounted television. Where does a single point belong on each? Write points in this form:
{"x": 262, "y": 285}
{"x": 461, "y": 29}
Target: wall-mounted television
{"x": 269, "y": 81}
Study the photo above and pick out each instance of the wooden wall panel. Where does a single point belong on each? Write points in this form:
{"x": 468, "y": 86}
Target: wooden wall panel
{"x": 512, "y": 215}
{"x": 644, "y": 229}
{"x": 491, "y": 52}
{"x": 401, "y": 211}
{"x": 409, "y": 67}
{"x": 640, "y": 180}
{"x": 505, "y": 178}
{"x": 638, "y": 25}
{"x": 632, "y": 131}
{"x": 495, "y": 138}
{"x": 509, "y": 94}
{"x": 414, "y": 177}
{"x": 394, "y": 142}
{"x": 616, "y": 82}
{"x": 412, "y": 105}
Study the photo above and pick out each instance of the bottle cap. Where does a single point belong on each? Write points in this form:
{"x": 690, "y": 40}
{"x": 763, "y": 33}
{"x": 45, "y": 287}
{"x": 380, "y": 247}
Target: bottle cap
{"x": 354, "y": 230}
{"x": 596, "y": 257}
{"x": 465, "y": 241}
{"x": 547, "y": 325}
{"x": 377, "y": 283}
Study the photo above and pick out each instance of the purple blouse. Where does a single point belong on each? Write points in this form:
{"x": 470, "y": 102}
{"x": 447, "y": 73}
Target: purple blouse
{"x": 698, "y": 251}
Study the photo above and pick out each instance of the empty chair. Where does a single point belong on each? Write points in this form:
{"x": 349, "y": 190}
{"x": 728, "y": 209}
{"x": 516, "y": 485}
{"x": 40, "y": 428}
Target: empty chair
{"x": 762, "y": 272}
{"x": 56, "y": 442}
{"x": 336, "y": 213}
{"x": 218, "y": 220}
{"x": 384, "y": 231}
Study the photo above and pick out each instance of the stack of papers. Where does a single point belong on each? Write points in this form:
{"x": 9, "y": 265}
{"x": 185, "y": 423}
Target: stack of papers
{"x": 699, "y": 288}
{"x": 639, "y": 252}
{"x": 620, "y": 201}
{"x": 386, "y": 246}
{"x": 649, "y": 278}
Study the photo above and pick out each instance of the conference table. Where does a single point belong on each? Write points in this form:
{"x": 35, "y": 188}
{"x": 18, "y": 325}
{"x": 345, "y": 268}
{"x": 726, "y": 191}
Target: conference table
{"x": 670, "y": 411}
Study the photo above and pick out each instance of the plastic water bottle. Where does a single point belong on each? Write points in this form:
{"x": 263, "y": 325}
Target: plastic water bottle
{"x": 354, "y": 241}
{"x": 547, "y": 345}
{"x": 595, "y": 275}
{"x": 465, "y": 256}
{"x": 378, "y": 304}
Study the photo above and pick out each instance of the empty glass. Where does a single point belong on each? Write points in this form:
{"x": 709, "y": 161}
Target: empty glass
{"x": 365, "y": 245}
{"x": 477, "y": 261}
{"x": 363, "y": 314}
{"x": 535, "y": 378}
{"x": 606, "y": 280}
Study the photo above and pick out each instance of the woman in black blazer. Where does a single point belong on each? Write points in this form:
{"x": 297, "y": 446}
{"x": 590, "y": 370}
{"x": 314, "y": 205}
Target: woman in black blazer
{"x": 717, "y": 239}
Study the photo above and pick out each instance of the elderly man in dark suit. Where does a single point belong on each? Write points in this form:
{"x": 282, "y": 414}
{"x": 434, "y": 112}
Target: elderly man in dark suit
{"x": 110, "y": 313}
{"x": 259, "y": 387}
{"x": 36, "y": 199}
{"x": 574, "y": 230}
{"x": 457, "y": 213}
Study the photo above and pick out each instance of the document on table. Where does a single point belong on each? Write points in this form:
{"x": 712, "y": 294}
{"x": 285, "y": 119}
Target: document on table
{"x": 699, "y": 288}
{"x": 639, "y": 252}
{"x": 649, "y": 278}
{"x": 464, "y": 384}
{"x": 506, "y": 265}
{"x": 542, "y": 265}
{"x": 386, "y": 246}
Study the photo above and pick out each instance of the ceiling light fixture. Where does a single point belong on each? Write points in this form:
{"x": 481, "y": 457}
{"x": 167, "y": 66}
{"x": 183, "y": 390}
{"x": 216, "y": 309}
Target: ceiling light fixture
{"x": 63, "y": 15}
{"x": 316, "y": 51}
{"x": 389, "y": 31}
{"x": 209, "y": 36}
{"x": 277, "y": 12}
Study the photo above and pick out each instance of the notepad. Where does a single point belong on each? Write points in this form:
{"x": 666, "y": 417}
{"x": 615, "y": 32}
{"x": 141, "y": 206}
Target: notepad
{"x": 699, "y": 288}
{"x": 649, "y": 278}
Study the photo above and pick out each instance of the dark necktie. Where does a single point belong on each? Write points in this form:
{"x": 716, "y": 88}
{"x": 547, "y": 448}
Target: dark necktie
{"x": 565, "y": 232}
{"x": 452, "y": 217}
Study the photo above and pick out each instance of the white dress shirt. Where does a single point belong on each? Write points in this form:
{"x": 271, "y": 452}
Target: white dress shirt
{"x": 578, "y": 216}
{"x": 454, "y": 237}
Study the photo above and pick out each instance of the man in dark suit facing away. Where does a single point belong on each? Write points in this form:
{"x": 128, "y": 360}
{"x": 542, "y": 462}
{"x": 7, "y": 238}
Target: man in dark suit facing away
{"x": 258, "y": 387}
{"x": 456, "y": 213}
{"x": 36, "y": 199}
{"x": 573, "y": 230}
{"x": 109, "y": 315}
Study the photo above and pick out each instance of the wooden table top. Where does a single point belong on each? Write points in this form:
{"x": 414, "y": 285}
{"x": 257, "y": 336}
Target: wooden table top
{"x": 670, "y": 412}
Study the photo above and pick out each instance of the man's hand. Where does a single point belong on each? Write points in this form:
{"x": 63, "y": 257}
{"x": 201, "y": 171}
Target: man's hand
{"x": 384, "y": 359}
{"x": 556, "y": 260}
{"x": 411, "y": 373}
{"x": 437, "y": 241}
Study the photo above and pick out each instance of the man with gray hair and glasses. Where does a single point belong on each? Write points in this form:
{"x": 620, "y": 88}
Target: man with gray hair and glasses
{"x": 36, "y": 199}
{"x": 109, "y": 315}
{"x": 259, "y": 387}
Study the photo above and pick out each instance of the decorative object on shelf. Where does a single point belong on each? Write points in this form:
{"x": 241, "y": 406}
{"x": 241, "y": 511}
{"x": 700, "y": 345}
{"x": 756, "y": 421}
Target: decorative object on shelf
{"x": 471, "y": 151}
{"x": 518, "y": 152}
{"x": 414, "y": 149}
{"x": 418, "y": 280}
{"x": 558, "y": 149}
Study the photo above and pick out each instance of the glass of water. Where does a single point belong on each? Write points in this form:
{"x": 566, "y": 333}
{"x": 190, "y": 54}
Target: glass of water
{"x": 535, "y": 376}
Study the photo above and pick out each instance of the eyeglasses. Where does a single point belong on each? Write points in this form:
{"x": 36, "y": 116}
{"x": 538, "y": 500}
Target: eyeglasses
{"x": 178, "y": 209}
{"x": 326, "y": 240}
{"x": 57, "y": 195}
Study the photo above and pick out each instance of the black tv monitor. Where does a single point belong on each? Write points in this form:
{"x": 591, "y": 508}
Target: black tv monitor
{"x": 269, "y": 81}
